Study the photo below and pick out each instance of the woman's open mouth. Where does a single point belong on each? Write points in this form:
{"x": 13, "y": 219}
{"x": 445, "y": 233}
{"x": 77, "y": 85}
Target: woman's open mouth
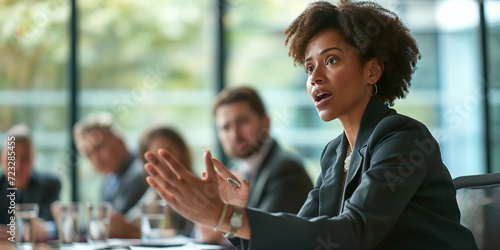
{"x": 321, "y": 98}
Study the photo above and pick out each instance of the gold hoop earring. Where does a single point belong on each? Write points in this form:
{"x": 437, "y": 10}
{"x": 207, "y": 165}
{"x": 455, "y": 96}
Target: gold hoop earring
{"x": 376, "y": 90}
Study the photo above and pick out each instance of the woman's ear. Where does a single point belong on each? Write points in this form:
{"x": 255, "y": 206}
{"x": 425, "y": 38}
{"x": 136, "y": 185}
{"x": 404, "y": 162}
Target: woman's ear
{"x": 375, "y": 68}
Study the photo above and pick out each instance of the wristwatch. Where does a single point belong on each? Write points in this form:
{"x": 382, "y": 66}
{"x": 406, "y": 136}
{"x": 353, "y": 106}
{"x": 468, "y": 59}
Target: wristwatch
{"x": 235, "y": 222}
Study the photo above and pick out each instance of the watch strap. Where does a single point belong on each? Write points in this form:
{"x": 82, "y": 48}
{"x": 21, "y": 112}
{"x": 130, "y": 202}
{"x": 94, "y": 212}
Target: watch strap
{"x": 237, "y": 215}
{"x": 221, "y": 218}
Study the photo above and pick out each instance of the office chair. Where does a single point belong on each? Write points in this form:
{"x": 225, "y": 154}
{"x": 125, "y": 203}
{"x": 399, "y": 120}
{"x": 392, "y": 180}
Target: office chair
{"x": 478, "y": 198}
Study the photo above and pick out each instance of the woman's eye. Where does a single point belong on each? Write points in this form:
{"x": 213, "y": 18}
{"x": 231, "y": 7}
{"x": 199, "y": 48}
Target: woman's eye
{"x": 331, "y": 61}
{"x": 309, "y": 69}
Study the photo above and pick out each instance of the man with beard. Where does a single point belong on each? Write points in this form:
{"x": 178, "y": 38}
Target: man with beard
{"x": 278, "y": 180}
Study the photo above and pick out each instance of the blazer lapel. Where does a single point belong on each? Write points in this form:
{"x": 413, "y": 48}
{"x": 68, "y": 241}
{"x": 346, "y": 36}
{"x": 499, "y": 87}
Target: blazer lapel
{"x": 374, "y": 112}
{"x": 332, "y": 183}
{"x": 352, "y": 174}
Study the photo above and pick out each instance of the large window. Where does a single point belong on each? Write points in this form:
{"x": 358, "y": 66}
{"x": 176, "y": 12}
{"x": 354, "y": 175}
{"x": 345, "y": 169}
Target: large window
{"x": 147, "y": 63}
{"x": 492, "y": 15}
{"x": 33, "y": 57}
{"x": 446, "y": 89}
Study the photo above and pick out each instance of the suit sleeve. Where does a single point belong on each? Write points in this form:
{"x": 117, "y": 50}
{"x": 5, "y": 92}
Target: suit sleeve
{"x": 311, "y": 205}
{"x": 383, "y": 193}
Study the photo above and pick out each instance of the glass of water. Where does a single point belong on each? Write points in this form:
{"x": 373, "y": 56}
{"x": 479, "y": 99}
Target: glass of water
{"x": 98, "y": 218}
{"x": 68, "y": 223}
{"x": 155, "y": 221}
{"x": 27, "y": 214}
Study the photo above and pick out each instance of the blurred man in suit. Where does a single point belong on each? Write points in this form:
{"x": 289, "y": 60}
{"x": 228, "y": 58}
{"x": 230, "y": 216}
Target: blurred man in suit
{"x": 98, "y": 139}
{"x": 17, "y": 157}
{"x": 278, "y": 180}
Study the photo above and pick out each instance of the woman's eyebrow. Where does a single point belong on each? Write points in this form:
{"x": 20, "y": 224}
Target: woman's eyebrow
{"x": 324, "y": 51}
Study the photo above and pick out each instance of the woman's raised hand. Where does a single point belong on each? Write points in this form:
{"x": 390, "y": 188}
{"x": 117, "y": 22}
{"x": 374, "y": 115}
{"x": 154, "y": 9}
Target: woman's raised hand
{"x": 230, "y": 193}
{"x": 196, "y": 199}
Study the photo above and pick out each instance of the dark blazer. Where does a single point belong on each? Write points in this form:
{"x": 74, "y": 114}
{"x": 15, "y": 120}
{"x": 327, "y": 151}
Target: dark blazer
{"x": 42, "y": 189}
{"x": 398, "y": 194}
{"x": 281, "y": 184}
{"x": 131, "y": 187}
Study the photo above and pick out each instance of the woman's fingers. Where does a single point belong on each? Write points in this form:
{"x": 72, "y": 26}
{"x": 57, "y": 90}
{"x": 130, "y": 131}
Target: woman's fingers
{"x": 221, "y": 179}
{"x": 210, "y": 170}
{"x": 161, "y": 167}
{"x": 164, "y": 193}
{"x": 194, "y": 198}
{"x": 162, "y": 174}
{"x": 152, "y": 171}
{"x": 177, "y": 168}
{"x": 224, "y": 171}
{"x": 160, "y": 180}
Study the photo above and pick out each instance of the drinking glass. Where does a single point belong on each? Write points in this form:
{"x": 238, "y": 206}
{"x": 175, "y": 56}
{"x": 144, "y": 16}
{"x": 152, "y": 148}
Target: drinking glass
{"x": 98, "y": 218}
{"x": 27, "y": 214}
{"x": 155, "y": 221}
{"x": 68, "y": 224}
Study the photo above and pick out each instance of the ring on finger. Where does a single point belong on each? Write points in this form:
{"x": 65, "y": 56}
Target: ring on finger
{"x": 233, "y": 182}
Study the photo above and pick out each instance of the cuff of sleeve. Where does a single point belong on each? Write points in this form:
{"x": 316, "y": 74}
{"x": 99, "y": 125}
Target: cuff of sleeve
{"x": 284, "y": 230}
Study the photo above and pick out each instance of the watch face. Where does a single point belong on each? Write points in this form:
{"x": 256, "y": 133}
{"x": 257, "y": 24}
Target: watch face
{"x": 236, "y": 222}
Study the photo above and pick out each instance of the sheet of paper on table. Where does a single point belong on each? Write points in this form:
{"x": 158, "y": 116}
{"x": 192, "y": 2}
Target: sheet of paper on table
{"x": 118, "y": 244}
{"x": 187, "y": 246}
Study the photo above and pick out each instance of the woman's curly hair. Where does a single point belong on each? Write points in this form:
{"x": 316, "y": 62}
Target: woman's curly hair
{"x": 376, "y": 32}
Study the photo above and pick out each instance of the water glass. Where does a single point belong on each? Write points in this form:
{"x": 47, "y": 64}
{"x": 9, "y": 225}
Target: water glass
{"x": 98, "y": 218}
{"x": 68, "y": 224}
{"x": 27, "y": 214}
{"x": 155, "y": 221}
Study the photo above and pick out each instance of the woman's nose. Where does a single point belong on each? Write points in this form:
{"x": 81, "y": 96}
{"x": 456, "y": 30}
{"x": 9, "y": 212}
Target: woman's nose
{"x": 317, "y": 77}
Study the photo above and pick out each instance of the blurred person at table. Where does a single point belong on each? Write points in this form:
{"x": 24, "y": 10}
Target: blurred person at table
{"x": 98, "y": 139}
{"x": 154, "y": 138}
{"x": 17, "y": 157}
{"x": 277, "y": 179}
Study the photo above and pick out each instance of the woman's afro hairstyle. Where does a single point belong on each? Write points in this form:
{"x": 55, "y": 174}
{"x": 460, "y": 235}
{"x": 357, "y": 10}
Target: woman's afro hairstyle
{"x": 375, "y": 32}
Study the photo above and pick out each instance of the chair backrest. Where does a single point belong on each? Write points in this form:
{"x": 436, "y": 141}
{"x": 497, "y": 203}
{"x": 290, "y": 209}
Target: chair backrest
{"x": 478, "y": 198}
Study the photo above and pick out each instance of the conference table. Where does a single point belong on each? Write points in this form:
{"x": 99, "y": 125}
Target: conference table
{"x": 173, "y": 243}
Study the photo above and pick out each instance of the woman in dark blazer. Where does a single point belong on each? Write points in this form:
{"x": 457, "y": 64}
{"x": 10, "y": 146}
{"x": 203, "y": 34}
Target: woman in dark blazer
{"x": 382, "y": 185}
